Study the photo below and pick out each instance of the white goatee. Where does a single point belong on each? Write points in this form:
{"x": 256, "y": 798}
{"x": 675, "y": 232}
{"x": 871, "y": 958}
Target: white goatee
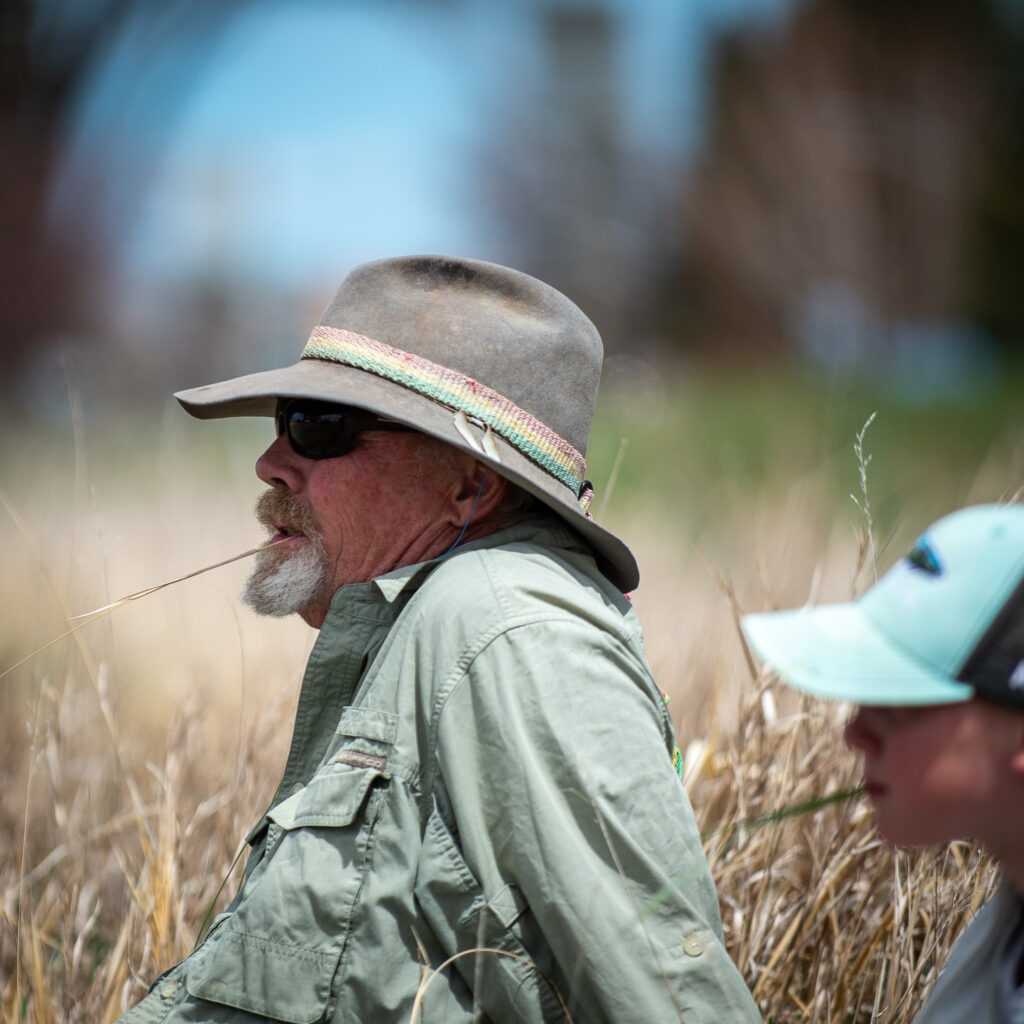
{"x": 286, "y": 582}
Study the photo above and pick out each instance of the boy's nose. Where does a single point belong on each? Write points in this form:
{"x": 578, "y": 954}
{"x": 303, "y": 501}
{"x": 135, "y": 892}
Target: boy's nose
{"x": 859, "y": 733}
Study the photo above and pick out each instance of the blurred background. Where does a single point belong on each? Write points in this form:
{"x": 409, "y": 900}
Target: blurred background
{"x": 741, "y": 182}
{"x": 788, "y": 218}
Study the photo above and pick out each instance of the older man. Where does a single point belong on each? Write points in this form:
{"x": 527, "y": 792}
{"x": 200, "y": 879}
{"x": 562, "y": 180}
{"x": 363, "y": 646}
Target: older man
{"x": 479, "y": 818}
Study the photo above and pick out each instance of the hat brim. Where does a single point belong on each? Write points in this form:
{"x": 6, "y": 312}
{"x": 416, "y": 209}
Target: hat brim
{"x": 256, "y": 394}
{"x": 835, "y": 651}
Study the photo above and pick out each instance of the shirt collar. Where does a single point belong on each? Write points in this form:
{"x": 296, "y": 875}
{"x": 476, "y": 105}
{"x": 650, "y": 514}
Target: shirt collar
{"x": 545, "y": 532}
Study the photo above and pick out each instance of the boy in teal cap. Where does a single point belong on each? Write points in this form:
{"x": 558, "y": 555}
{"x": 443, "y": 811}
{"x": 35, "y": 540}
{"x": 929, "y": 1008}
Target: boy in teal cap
{"x": 933, "y": 655}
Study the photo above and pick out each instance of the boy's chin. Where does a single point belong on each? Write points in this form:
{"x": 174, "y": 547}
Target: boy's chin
{"x": 906, "y": 836}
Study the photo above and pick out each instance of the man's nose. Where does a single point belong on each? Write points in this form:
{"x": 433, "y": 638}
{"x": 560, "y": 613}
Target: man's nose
{"x": 279, "y": 466}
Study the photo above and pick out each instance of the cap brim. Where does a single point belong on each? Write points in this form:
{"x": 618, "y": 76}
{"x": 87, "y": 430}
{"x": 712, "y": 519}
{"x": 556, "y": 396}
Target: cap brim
{"x": 256, "y": 394}
{"x": 834, "y": 651}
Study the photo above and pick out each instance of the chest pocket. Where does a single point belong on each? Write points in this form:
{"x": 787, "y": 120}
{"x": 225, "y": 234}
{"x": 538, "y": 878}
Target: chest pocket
{"x": 277, "y": 954}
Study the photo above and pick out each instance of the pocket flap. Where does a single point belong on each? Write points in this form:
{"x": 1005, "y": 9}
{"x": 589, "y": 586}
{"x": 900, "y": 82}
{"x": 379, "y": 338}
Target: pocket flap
{"x": 368, "y": 723}
{"x": 284, "y": 983}
{"x": 332, "y": 798}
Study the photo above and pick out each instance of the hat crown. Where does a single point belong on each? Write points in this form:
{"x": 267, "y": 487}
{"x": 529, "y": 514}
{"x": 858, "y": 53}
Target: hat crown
{"x": 501, "y": 327}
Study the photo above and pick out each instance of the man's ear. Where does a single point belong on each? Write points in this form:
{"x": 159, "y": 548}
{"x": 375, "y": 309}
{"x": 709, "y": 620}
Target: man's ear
{"x": 479, "y": 491}
{"x": 1017, "y": 756}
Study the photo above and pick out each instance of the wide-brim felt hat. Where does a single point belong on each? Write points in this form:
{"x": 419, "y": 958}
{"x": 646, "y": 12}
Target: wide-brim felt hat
{"x": 483, "y": 357}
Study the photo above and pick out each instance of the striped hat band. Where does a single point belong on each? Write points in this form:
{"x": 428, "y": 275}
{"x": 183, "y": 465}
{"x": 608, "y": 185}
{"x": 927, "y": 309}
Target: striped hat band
{"x": 458, "y": 392}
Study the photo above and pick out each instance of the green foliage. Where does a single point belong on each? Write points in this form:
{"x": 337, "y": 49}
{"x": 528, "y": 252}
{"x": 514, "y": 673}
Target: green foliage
{"x": 694, "y": 443}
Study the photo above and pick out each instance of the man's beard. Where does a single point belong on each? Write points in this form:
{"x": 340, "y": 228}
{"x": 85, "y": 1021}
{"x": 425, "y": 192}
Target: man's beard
{"x": 285, "y": 582}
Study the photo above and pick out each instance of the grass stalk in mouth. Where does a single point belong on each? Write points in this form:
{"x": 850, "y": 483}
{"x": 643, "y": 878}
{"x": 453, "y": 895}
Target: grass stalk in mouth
{"x": 98, "y": 613}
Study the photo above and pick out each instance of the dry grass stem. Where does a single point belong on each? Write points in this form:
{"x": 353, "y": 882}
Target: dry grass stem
{"x": 867, "y": 550}
{"x": 98, "y": 613}
{"x": 613, "y": 478}
{"x": 429, "y": 975}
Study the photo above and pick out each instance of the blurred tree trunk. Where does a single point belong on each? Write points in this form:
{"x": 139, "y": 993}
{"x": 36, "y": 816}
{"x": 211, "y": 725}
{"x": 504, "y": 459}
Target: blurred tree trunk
{"x": 576, "y": 203}
{"x": 843, "y": 164}
{"x": 51, "y": 51}
{"x": 40, "y": 74}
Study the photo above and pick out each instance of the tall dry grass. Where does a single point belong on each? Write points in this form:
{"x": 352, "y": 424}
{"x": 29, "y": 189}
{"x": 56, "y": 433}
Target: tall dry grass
{"x": 137, "y": 753}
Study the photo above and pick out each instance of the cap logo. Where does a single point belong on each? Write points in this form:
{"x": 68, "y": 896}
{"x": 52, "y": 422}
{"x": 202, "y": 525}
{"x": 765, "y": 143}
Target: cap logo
{"x": 1016, "y": 680}
{"x": 924, "y": 558}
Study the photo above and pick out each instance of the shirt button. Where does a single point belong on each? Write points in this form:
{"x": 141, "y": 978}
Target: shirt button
{"x": 693, "y": 945}
{"x": 296, "y": 788}
{"x": 168, "y": 988}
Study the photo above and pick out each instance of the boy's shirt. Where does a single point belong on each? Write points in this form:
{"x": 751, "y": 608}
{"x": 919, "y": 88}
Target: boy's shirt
{"x": 978, "y": 981}
{"x": 1010, "y": 993}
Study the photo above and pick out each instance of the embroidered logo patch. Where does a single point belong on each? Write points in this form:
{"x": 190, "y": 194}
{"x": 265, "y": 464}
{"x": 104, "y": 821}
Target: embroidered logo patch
{"x": 924, "y": 558}
{"x": 1016, "y": 680}
{"x": 360, "y": 759}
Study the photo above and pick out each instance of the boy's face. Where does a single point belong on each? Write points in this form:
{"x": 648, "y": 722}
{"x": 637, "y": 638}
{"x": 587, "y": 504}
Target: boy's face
{"x": 948, "y": 771}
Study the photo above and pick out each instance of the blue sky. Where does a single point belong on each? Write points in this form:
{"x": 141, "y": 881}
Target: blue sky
{"x": 315, "y": 135}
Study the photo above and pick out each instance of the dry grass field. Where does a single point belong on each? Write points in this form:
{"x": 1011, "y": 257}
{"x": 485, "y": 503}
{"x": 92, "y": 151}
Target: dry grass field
{"x": 137, "y": 752}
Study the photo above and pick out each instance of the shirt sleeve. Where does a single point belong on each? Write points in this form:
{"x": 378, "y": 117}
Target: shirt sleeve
{"x": 552, "y": 749}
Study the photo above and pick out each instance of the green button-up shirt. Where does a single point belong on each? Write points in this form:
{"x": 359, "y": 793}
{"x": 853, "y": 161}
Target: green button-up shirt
{"x": 479, "y": 812}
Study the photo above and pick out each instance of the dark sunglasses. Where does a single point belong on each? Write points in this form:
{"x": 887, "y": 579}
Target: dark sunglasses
{"x": 325, "y": 430}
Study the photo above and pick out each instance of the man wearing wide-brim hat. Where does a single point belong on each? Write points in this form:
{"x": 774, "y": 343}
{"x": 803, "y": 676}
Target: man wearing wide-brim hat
{"x": 480, "y": 817}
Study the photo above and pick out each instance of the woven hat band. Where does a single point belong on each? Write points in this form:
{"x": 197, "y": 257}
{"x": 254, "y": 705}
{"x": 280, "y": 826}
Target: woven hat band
{"x": 454, "y": 390}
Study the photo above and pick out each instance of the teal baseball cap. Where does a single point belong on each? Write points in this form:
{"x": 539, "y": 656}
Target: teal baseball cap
{"x": 945, "y": 624}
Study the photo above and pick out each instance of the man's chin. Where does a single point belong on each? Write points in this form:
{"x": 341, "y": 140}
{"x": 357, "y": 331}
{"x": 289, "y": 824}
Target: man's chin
{"x": 286, "y": 586}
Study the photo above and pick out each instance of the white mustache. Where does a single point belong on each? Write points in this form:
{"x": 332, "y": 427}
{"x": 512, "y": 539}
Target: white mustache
{"x": 279, "y": 508}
